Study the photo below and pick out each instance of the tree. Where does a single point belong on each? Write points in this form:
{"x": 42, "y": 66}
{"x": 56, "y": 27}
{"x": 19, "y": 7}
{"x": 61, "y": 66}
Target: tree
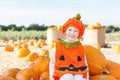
{"x": 33, "y": 27}
{"x": 12, "y": 27}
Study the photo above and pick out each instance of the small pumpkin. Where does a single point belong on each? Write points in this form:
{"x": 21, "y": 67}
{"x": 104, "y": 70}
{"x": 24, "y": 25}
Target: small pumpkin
{"x": 12, "y": 72}
{"x": 23, "y": 52}
{"x": 14, "y": 44}
{"x": 41, "y": 65}
{"x": 38, "y": 45}
{"x": 96, "y": 60}
{"x": 8, "y": 48}
{"x": 59, "y": 28}
{"x": 31, "y": 43}
{"x": 24, "y": 45}
{"x": 26, "y": 74}
{"x": 32, "y": 57}
{"x": 44, "y": 52}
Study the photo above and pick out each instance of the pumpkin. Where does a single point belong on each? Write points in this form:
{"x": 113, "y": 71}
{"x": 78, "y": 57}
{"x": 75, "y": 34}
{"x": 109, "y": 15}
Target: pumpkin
{"x": 14, "y": 44}
{"x": 98, "y": 25}
{"x": 11, "y": 72}
{"x": 23, "y": 52}
{"x": 59, "y": 28}
{"x": 41, "y": 65}
{"x": 26, "y": 74}
{"x": 44, "y": 52}
{"x": 19, "y": 42}
{"x": 24, "y": 45}
{"x": 90, "y": 27}
{"x": 113, "y": 68}
{"x": 96, "y": 60}
{"x": 44, "y": 75}
{"x": 8, "y": 48}
{"x": 103, "y": 77}
{"x": 31, "y": 43}
{"x": 43, "y": 43}
{"x": 38, "y": 45}
{"x": 32, "y": 56}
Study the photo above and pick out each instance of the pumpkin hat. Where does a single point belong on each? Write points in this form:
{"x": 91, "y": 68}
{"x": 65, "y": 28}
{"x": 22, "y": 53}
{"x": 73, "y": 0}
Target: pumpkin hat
{"x": 75, "y": 22}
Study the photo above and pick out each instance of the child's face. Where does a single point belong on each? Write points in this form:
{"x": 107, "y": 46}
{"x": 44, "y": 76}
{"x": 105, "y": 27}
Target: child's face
{"x": 71, "y": 34}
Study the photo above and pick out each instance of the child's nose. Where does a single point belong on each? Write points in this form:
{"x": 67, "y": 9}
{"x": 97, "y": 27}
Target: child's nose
{"x": 72, "y": 32}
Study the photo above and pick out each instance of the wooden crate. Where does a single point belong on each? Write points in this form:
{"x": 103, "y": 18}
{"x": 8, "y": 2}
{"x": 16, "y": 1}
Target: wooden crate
{"x": 94, "y": 36}
{"x": 54, "y": 35}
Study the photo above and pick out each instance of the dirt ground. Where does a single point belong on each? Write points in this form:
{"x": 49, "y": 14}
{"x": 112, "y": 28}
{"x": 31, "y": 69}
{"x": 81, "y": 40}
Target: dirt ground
{"x": 9, "y": 60}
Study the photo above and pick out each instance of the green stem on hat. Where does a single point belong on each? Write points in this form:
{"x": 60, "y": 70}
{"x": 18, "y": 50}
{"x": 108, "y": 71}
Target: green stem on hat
{"x": 78, "y": 16}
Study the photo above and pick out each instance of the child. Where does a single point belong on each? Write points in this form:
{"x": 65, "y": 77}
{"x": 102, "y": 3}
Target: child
{"x": 68, "y": 60}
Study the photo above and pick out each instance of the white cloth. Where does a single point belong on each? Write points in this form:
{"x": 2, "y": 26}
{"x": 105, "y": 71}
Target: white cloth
{"x": 51, "y": 64}
{"x": 72, "y": 77}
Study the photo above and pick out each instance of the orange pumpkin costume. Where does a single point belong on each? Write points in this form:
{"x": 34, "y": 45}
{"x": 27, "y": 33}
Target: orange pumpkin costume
{"x": 70, "y": 57}
{"x": 69, "y": 60}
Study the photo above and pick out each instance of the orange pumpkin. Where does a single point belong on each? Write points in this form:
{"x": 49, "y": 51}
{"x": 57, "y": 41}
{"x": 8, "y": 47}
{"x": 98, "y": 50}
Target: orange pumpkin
{"x": 43, "y": 43}
{"x": 32, "y": 56}
{"x": 23, "y": 52}
{"x": 38, "y": 45}
{"x": 96, "y": 60}
{"x": 11, "y": 72}
{"x": 103, "y": 77}
{"x": 14, "y": 44}
{"x": 31, "y": 42}
{"x": 44, "y": 52}
{"x": 113, "y": 68}
{"x": 8, "y": 48}
{"x": 26, "y": 74}
{"x": 41, "y": 65}
{"x": 24, "y": 45}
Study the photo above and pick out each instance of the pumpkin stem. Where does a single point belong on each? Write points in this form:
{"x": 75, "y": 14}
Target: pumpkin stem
{"x": 78, "y": 16}
{"x": 106, "y": 71}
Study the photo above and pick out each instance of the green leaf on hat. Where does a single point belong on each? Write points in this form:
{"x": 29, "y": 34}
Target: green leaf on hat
{"x": 78, "y": 16}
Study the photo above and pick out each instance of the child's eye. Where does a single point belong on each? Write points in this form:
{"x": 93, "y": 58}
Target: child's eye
{"x": 75, "y": 30}
{"x": 69, "y": 29}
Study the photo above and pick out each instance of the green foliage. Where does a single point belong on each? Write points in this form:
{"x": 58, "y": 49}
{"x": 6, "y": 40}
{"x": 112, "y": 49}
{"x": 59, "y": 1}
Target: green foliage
{"x": 33, "y": 26}
{"x": 111, "y": 29}
{"x": 15, "y": 35}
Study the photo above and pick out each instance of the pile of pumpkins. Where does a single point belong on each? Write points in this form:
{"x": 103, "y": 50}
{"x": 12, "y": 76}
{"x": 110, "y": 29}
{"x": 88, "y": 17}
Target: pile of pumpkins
{"x": 96, "y": 26}
{"x": 99, "y": 67}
